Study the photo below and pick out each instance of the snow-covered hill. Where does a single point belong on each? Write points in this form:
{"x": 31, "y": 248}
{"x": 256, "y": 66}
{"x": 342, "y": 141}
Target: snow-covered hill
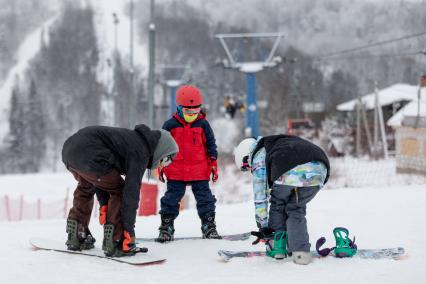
{"x": 377, "y": 216}
{"x": 28, "y": 49}
{"x": 105, "y": 29}
{"x": 105, "y": 32}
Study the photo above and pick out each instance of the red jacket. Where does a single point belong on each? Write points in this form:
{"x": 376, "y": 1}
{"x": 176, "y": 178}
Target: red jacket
{"x": 197, "y": 146}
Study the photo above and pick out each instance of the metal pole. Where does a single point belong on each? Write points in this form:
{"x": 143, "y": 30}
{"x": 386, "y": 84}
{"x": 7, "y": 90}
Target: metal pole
{"x": 418, "y": 104}
{"x": 367, "y": 129}
{"x": 358, "y": 128}
{"x": 116, "y": 21}
{"x": 21, "y": 208}
{"x": 7, "y": 206}
{"x": 151, "y": 75}
{"x": 376, "y": 121}
{"x": 164, "y": 105}
{"x": 113, "y": 62}
{"x": 131, "y": 95}
{"x": 39, "y": 209}
{"x": 252, "y": 121}
{"x": 151, "y": 11}
{"x": 172, "y": 100}
{"x": 383, "y": 131}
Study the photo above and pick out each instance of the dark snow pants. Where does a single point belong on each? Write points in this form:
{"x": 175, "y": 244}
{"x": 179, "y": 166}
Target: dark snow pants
{"x": 176, "y": 190}
{"x": 288, "y": 213}
{"x": 109, "y": 187}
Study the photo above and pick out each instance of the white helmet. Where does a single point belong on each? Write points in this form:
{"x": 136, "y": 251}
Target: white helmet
{"x": 242, "y": 152}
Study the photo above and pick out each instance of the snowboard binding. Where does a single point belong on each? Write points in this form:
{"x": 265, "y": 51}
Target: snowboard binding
{"x": 166, "y": 229}
{"x": 345, "y": 247}
{"x": 278, "y": 249}
{"x": 112, "y": 248}
{"x": 208, "y": 228}
{"x": 79, "y": 238}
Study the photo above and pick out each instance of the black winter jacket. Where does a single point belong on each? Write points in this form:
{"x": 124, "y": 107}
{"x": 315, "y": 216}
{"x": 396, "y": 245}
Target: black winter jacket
{"x": 99, "y": 149}
{"x": 284, "y": 152}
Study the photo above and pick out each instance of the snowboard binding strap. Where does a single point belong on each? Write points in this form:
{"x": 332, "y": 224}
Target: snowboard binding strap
{"x": 112, "y": 248}
{"x": 279, "y": 248}
{"x": 345, "y": 247}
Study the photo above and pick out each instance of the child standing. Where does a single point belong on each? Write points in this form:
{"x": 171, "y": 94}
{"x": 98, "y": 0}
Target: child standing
{"x": 296, "y": 170}
{"x": 195, "y": 162}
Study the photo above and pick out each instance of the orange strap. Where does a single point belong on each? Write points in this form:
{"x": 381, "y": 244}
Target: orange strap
{"x": 103, "y": 210}
{"x": 127, "y": 240}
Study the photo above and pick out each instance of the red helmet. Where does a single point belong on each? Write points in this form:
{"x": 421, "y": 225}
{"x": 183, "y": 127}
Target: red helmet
{"x": 189, "y": 96}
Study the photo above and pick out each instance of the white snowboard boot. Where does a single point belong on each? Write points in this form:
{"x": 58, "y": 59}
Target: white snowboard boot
{"x": 302, "y": 257}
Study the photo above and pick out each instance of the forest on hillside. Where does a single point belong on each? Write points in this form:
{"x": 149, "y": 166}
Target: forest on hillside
{"x": 61, "y": 90}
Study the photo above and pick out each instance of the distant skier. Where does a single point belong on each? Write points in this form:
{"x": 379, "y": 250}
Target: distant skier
{"x": 193, "y": 165}
{"x": 97, "y": 156}
{"x": 230, "y": 108}
{"x": 296, "y": 170}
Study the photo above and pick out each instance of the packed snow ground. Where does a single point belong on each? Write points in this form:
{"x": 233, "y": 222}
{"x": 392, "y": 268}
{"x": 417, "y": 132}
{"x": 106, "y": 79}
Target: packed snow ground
{"x": 379, "y": 217}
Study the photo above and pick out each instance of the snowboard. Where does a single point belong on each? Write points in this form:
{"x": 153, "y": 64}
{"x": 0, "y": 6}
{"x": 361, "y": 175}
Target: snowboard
{"x": 232, "y": 238}
{"x": 138, "y": 259}
{"x": 397, "y": 253}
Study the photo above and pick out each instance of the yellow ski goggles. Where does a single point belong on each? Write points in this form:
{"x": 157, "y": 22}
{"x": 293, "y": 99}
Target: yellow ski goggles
{"x": 191, "y": 111}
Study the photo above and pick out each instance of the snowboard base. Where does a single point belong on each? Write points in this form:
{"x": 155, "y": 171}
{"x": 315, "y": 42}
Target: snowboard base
{"x": 138, "y": 259}
{"x": 397, "y": 253}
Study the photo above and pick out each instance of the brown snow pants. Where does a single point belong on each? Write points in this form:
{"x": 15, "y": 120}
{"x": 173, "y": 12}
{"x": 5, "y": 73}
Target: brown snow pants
{"x": 112, "y": 183}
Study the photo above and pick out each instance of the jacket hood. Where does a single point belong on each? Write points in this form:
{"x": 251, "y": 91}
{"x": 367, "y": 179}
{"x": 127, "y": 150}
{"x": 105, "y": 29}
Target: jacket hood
{"x": 151, "y": 136}
{"x": 166, "y": 146}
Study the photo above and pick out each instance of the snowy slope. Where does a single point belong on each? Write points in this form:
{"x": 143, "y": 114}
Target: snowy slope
{"x": 27, "y": 50}
{"x": 105, "y": 30}
{"x": 379, "y": 217}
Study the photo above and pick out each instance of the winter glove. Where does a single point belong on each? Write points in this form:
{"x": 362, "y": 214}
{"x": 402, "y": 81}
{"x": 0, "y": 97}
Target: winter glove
{"x": 262, "y": 234}
{"x": 214, "y": 169}
{"x": 161, "y": 174}
{"x": 103, "y": 210}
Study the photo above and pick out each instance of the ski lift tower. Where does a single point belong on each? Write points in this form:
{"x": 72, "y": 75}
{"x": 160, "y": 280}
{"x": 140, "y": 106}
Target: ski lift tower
{"x": 173, "y": 77}
{"x": 250, "y": 53}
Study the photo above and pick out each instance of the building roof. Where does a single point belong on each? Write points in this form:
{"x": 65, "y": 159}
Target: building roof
{"x": 387, "y": 96}
{"x": 410, "y": 110}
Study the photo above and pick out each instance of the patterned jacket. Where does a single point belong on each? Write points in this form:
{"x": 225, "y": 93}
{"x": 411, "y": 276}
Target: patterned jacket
{"x": 304, "y": 175}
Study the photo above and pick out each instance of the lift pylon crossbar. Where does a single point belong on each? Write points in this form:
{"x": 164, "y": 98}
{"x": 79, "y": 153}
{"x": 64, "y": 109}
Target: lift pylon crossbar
{"x": 268, "y": 62}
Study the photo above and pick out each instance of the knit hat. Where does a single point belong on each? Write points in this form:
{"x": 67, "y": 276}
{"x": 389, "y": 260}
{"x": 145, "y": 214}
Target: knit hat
{"x": 166, "y": 146}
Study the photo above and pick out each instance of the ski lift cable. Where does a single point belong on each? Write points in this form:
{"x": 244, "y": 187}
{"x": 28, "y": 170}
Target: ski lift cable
{"x": 377, "y": 55}
{"x": 355, "y": 49}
